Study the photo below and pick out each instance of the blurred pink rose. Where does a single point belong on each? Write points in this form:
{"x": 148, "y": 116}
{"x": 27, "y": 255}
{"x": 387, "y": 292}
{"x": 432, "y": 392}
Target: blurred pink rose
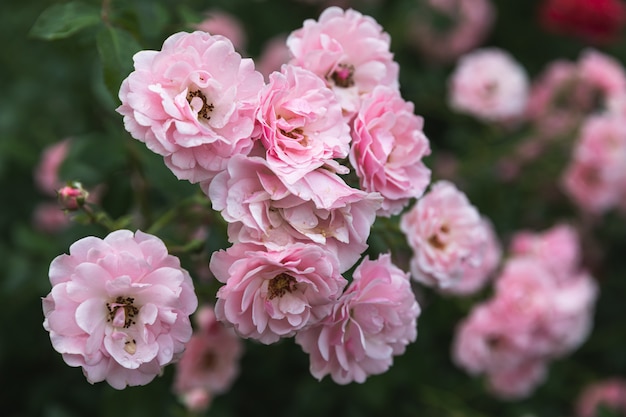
{"x": 470, "y": 22}
{"x": 219, "y": 22}
{"x": 210, "y": 362}
{"x": 47, "y": 170}
{"x": 50, "y": 218}
{"x": 565, "y": 92}
{"x": 445, "y": 232}
{"x": 272, "y": 294}
{"x": 193, "y": 102}
{"x": 475, "y": 277}
{"x": 595, "y": 178}
{"x": 375, "y": 319}
{"x": 603, "y": 72}
{"x": 518, "y": 382}
{"x": 558, "y": 248}
{"x": 610, "y": 393}
{"x": 347, "y": 49}
{"x": 534, "y": 316}
{"x": 388, "y": 146}
{"x": 119, "y": 307}
{"x": 320, "y": 208}
{"x": 274, "y": 54}
{"x": 301, "y": 124}
{"x": 490, "y": 85}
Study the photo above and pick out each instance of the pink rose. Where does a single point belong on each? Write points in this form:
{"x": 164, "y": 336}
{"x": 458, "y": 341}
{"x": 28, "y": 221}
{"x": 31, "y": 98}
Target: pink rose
{"x": 595, "y": 178}
{"x": 193, "y": 102}
{"x": 375, "y": 319}
{"x": 119, "y": 307}
{"x": 319, "y": 208}
{"x": 219, "y": 22}
{"x": 533, "y": 317}
{"x": 610, "y": 393}
{"x": 602, "y": 71}
{"x": 388, "y": 146}
{"x": 558, "y": 248}
{"x": 274, "y": 54}
{"x": 347, "y": 49}
{"x": 475, "y": 277}
{"x": 301, "y": 123}
{"x": 272, "y": 294}
{"x": 50, "y": 218}
{"x": 471, "y": 21}
{"x": 517, "y": 382}
{"x": 445, "y": 232}
{"x": 484, "y": 343}
{"x": 210, "y": 361}
{"x": 490, "y": 85}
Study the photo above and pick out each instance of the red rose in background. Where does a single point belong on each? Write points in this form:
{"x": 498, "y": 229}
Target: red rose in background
{"x": 596, "y": 21}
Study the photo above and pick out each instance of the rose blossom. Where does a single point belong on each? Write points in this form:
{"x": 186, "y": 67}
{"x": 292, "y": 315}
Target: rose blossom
{"x": 558, "y": 248}
{"x": 273, "y": 294}
{"x": 319, "y": 208}
{"x": 274, "y": 54}
{"x": 474, "y": 277}
{"x": 609, "y": 393}
{"x": 301, "y": 123}
{"x": 490, "y": 85}
{"x": 375, "y": 319}
{"x": 348, "y": 50}
{"x": 193, "y": 102}
{"x": 119, "y": 307}
{"x": 219, "y": 22}
{"x": 210, "y": 361}
{"x": 445, "y": 232}
{"x": 471, "y": 21}
{"x": 388, "y": 146}
{"x": 595, "y": 178}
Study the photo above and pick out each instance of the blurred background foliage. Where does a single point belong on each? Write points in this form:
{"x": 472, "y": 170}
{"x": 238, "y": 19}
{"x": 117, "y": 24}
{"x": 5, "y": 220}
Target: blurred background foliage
{"x": 66, "y": 88}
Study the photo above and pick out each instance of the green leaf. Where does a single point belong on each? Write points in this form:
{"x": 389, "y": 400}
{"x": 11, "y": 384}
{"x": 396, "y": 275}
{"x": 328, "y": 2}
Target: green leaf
{"x": 116, "y": 48}
{"x": 63, "y": 20}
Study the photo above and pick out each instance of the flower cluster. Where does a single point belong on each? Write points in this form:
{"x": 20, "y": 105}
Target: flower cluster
{"x": 541, "y": 310}
{"x": 119, "y": 307}
{"x": 271, "y": 158}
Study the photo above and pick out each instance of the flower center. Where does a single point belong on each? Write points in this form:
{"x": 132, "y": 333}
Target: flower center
{"x": 343, "y": 75}
{"x": 279, "y": 285}
{"x": 198, "y": 100}
{"x": 122, "y": 312}
{"x": 296, "y": 134}
{"x": 435, "y": 239}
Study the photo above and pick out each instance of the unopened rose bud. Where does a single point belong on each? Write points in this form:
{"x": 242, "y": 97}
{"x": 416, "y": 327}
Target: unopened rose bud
{"x": 72, "y": 196}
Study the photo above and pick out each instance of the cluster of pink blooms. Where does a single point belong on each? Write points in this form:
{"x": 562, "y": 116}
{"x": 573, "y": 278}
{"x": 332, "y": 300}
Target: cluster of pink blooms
{"x": 490, "y": 85}
{"x": 565, "y": 92}
{"x": 270, "y": 156}
{"x": 455, "y": 248}
{"x": 588, "y": 96}
{"x": 609, "y": 393}
{"x": 119, "y": 307}
{"x": 541, "y": 309}
{"x": 470, "y": 23}
{"x": 210, "y": 362}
